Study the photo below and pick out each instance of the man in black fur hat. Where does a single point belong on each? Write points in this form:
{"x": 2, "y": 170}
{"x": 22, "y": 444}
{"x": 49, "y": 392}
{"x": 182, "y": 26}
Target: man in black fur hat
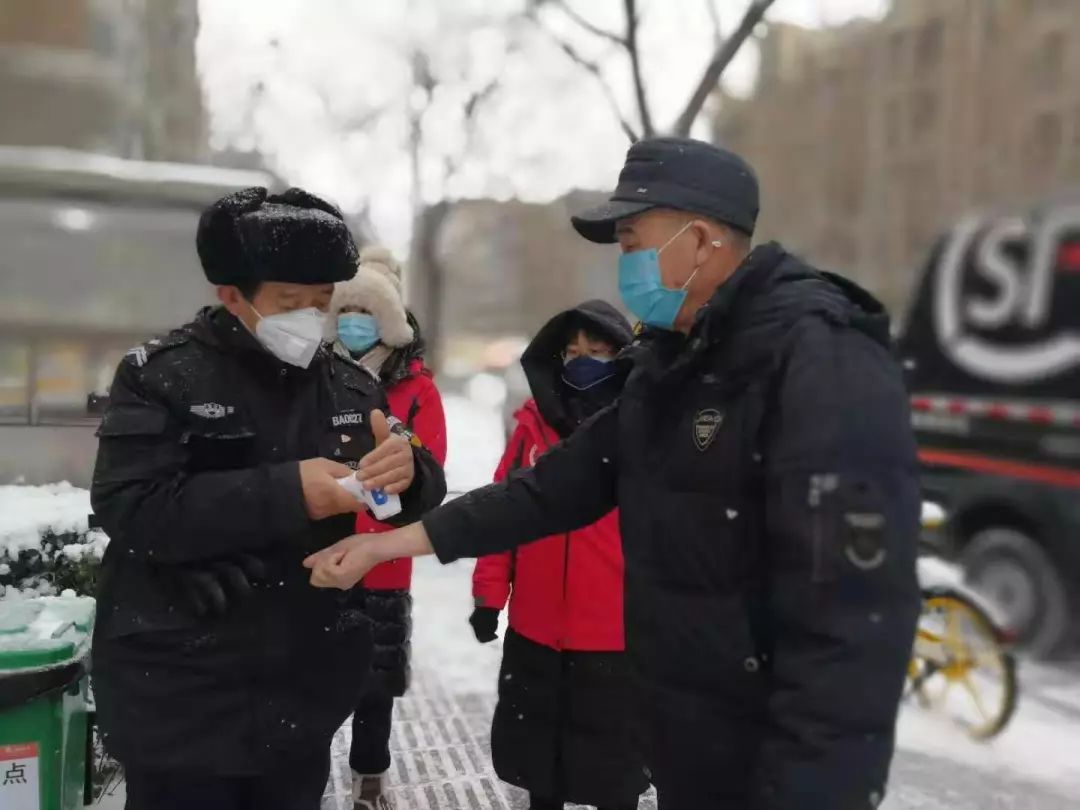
{"x": 220, "y": 676}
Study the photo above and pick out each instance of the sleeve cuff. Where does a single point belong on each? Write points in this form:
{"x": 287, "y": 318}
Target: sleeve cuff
{"x": 426, "y": 492}
{"x": 487, "y": 601}
{"x": 439, "y": 527}
{"x": 412, "y": 503}
{"x": 286, "y": 513}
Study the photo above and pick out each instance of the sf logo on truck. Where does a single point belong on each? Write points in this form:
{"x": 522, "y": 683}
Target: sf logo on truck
{"x": 995, "y": 296}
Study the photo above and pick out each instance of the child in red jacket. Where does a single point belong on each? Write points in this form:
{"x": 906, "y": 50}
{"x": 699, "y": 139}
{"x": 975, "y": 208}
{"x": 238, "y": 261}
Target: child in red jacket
{"x": 375, "y": 329}
{"x": 562, "y": 728}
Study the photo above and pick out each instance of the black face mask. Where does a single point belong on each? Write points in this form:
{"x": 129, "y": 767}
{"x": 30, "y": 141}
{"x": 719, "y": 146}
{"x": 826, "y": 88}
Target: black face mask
{"x": 583, "y": 373}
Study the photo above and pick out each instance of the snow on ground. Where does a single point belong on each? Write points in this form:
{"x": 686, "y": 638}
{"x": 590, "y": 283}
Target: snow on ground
{"x": 441, "y": 631}
{"x": 1040, "y": 745}
{"x": 475, "y": 444}
{"x": 443, "y": 640}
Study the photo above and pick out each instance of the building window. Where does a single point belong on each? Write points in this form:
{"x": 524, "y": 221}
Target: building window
{"x": 897, "y": 50}
{"x": 63, "y": 382}
{"x": 990, "y": 25}
{"x": 924, "y": 111}
{"x": 894, "y": 123}
{"x": 1045, "y": 141}
{"x": 845, "y": 189}
{"x": 1050, "y": 61}
{"x": 14, "y": 382}
{"x": 930, "y": 46}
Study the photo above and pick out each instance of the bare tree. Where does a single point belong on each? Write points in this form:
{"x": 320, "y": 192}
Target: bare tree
{"x": 593, "y": 68}
{"x": 631, "y": 41}
{"x": 425, "y": 262}
{"x": 627, "y": 41}
{"x": 721, "y": 59}
{"x": 714, "y": 17}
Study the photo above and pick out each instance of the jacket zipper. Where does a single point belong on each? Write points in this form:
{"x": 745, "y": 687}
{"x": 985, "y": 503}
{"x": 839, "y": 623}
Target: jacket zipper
{"x": 565, "y": 587}
{"x": 819, "y": 485}
{"x": 566, "y": 564}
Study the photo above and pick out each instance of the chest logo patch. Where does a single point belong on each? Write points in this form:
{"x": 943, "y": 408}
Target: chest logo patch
{"x": 212, "y": 410}
{"x": 347, "y": 419}
{"x": 706, "y": 424}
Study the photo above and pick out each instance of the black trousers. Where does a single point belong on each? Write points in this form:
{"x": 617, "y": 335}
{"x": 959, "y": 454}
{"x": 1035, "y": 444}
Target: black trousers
{"x": 298, "y": 784}
{"x": 370, "y": 752}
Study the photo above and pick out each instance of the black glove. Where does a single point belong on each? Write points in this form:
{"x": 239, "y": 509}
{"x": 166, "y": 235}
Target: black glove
{"x": 212, "y": 588}
{"x": 484, "y": 621}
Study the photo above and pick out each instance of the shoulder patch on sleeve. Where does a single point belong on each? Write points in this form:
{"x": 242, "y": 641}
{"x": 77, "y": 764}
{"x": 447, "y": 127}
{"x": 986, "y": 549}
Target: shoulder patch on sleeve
{"x": 140, "y": 355}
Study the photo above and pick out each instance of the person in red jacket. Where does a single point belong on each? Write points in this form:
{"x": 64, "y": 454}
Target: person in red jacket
{"x": 563, "y": 726}
{"x": 374, "y": 328}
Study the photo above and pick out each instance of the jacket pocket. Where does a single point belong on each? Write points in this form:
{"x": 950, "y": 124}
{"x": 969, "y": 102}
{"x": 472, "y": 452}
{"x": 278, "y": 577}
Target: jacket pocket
{"x": 132, "y": 420}
{"x": 225, "y": 448}
{"x": 828, "y": 524}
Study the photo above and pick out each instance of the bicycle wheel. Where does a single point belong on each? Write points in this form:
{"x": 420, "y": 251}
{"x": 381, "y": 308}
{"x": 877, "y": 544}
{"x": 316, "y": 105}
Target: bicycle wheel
{"x": 959, "y": 667}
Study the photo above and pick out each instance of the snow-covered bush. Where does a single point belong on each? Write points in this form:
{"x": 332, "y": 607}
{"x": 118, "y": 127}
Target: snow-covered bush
{"x": 46, "y": 546}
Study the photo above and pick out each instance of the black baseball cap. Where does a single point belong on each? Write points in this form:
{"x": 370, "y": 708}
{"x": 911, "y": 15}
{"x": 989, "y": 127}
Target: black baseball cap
{"x": 678, "y": 173}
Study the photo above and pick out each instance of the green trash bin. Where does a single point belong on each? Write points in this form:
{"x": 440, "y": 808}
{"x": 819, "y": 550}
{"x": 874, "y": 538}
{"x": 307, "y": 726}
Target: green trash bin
{"x": 44, "y": 646}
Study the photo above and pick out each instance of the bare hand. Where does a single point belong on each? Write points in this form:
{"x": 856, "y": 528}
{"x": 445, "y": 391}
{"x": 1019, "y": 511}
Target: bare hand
{"x": 343, "y": 564}
{"x": 390, "y": 466}
{"x": 323, "y": 496}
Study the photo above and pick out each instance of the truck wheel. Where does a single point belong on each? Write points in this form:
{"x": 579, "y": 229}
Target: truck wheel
{"x": 1017, "y": 576}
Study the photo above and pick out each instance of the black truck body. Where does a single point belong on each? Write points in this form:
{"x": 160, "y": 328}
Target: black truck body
{"x": 991, "y": 346}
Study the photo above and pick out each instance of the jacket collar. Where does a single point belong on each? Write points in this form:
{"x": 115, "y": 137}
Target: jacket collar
{"x": 757, "y": 273}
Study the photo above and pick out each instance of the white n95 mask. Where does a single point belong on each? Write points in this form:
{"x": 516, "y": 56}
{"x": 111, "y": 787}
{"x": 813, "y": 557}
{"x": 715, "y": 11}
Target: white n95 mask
{"x": 292, "y": 337}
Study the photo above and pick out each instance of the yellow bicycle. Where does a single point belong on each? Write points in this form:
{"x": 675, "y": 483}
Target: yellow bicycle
{"x": 961, "y": 664}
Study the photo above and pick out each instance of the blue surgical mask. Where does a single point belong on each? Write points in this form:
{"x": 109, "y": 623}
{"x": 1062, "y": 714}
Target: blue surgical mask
{"x": 643, "y": 290}
{"x": 358, "y": 331}
{"x": 582, "y": 373}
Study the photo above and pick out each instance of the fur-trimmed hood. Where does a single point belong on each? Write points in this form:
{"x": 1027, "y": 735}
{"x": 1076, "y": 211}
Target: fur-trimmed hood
{"x": 376, "y": 288}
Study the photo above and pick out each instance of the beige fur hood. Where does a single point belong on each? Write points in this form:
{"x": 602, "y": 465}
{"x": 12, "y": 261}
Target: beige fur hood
{"x": 376, "y": 287}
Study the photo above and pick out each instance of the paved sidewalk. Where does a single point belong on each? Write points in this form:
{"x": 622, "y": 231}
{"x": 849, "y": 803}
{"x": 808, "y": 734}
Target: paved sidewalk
{"x": 441, "y": 755}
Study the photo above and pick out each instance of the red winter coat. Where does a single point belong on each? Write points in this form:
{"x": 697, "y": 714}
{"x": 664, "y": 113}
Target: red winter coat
{"x": 415, "y": 401}
{"x": 567, "y": 589}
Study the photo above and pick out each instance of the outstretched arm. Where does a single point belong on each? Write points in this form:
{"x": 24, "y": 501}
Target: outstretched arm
{"x": 572, "y": 485}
